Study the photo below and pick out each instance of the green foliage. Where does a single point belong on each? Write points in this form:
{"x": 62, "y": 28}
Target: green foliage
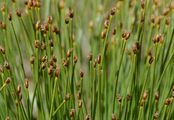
{"x": 86, "y": 59}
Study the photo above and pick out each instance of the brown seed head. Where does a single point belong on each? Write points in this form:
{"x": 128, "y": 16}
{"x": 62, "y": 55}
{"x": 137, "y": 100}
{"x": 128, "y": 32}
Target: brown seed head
{"x": 37, "y": 44}
{"x": 50, "y": 20}
{"x": 151, "y": 59}
{"x": 157, "y": 2}
{"x": 61, "y": 4}
{"x": 72, "y": 113}
{"x": 103, "y": 34}
{"x": 52, "y": 63}
{"x": 157, "y": 96}
{"x": 66, "y": 20}
{"x": 145, "y": 95}
{"x": 38, "y": 4}
{"x": 81, "y": 74}
{"x": 156, "y": 115}
{"x": 142, "y": 4}
{"x": 95, "y": 63}
{"x": 44, "y": 58}
{"x": 18, "y": 12}
{"x": 149, "y": 53}
{"x": 34, "y": 3}
{"x": 3, "y": 25}
{"x": 113, "y": 10}
{"x": 142, "y": 19}
{"x": 57, "y": 72}
{"x": 8, "y": 80}
{"x": 167, "y": 21}
{"x": 71, "y": 13}
{"x": 136, "y": 47}
{"x": 99, "y": 59}
{"x": 2, "y": 50}
{"x": 90, "y": 56}
{"x": 114, "y": 31}
{"x": 38, "y": 26}
{"x": 30, "y": 4}
{"x": 51, "y": 43}
{"x": 43, "y": 65}
{"x": 166, "y": 11}
{"x": 106, "y": 24}
{"x": 153, "y": 19}
{"x": 126, "y": 35}
{"x": 119, "y": 98}
{"x": 54, "y": 58}
{"x": 45, "y": 28}
{"x": 26, "y": 83}
{"x": 157, "y": 20}
{"x": 7, "y": 118}
{"x": 158, "y": 38}
{"x": 10, "y": 16}
{"x": 79, "y": 96}
{"x": 80, "y": 104}
{"x": 168, "y": 101}
{"x": 68, "y": 54}
{"x": 55, "y": 30}
{"x": 87, "y": 117}
{"x": 50, "y": 70}
{"x": 26, "y": 2}
{"x": 19, "y": 89}
{"x": 65, "y": 63}
{"x": 43, "y": 45}
{"x": 67, "y": 97}
{"x": 113, "y": 116}
{"x": 32, "y": 59}
{"x": 75, "y": 59}
{"x": 107, "y": 17}
{"x": 129, "y": 97}
{"x": 6, "y": 65}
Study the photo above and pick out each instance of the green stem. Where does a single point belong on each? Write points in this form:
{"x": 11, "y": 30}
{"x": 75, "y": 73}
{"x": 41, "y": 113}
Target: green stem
{"x": 58, "y": 108}
{"x": 3, "y": 86}
{"x": 52, "y": 100}
{"x": 19, "y": 50}
{"x": 117, "y": 73}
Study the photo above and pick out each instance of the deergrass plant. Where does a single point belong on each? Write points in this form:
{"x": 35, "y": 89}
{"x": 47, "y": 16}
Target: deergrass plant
{"x": 87, "y": 60}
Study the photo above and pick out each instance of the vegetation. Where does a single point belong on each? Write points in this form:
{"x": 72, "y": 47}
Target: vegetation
{"x": 87, "y": 59}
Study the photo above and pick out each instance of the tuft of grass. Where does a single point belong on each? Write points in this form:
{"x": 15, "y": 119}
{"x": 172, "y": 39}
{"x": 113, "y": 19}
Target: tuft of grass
{"x": 86, "y": 59}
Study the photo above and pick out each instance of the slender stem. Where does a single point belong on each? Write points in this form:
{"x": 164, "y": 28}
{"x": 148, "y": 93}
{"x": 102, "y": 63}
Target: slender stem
{"x": 140, "y": 113}
{"x": 19, "y": 49}
{"x": 25, "y": 28}
{"x": 117, "y": 74}
{"x": 2, "y": 86}
{"x": 165, "y": 68}
{"x": 58, "y": 108}
{"x": 52, "y": 100}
